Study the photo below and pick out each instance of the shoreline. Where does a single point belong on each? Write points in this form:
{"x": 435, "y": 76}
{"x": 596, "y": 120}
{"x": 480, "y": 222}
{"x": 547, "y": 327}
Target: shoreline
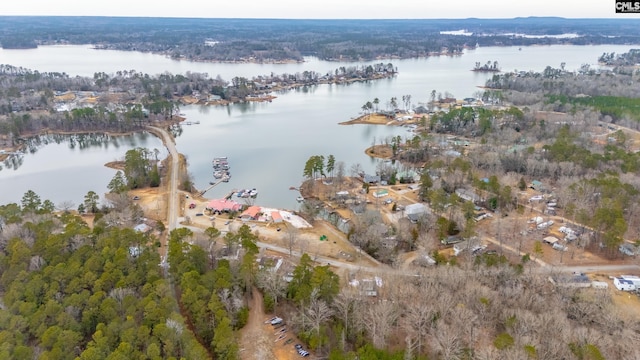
{"x": 12, "y": 150}
{"x": 379, "y": 119}
{"x": 379, "y": 151}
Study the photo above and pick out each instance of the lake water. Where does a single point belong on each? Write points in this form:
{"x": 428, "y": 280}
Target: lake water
{"x": 267, "y": 143}
{"x": 65, "y": 168}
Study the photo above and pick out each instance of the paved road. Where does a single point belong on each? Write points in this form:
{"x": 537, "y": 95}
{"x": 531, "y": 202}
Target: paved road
{"x": 172, "y": 189}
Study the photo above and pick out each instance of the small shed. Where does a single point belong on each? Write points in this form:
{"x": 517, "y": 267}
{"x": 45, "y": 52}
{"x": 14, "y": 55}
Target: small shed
{"x": 537, "y": 185}
{"x": 381, "y": 193}
{"x": 599, "y": 285}
{"x": 550, "y": 240}
{"x": 276, "y": 217}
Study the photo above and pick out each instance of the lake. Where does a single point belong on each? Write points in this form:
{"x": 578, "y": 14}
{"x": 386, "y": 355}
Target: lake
{"x": 267, "y": 143}
{"x": 64, "y": 168}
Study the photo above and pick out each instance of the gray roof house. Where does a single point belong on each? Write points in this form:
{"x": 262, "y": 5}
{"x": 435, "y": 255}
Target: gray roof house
{"x": 415, "y": 211}
{"x": 371, "y": 179}
{"x": 467, "y": 195}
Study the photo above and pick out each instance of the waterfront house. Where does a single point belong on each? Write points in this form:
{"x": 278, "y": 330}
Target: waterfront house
{"x": 371, "y": 179}
{"x": 223, "y": 205}
{"x": 252, "y": 213}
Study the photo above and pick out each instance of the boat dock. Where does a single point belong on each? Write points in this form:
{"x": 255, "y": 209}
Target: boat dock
{"x": 211, "y": 186}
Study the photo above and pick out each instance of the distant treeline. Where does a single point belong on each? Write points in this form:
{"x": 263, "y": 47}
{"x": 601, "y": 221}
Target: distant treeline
{"x": 273, "y": 40}
{"x": 31, "y": 101}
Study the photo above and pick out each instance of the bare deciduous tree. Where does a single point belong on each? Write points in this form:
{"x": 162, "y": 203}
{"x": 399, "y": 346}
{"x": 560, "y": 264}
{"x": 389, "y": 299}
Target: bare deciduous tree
{"x": 378, "y": 319}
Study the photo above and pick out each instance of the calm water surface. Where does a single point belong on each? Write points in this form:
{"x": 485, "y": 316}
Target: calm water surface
{"x": 66, "y": 168}
{"x": 267, "y": 143}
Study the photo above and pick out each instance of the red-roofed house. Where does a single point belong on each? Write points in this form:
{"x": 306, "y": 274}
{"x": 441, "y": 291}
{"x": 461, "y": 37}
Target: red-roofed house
{"x": 276, "y": 217}
{"x": 223, "y": 205}
{"x": 251, "y": 213}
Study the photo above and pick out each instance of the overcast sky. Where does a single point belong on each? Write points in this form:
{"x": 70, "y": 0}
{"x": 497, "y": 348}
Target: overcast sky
{"x": 314, "y": 9}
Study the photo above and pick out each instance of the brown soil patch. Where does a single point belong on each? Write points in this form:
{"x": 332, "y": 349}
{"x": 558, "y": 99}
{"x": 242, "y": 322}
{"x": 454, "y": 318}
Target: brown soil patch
{"x": 153, "y": 202}
{"x": 187, "y": 100}
{"x": 116, "y": 165}
{"x": 380, "y": 151}
{"x": 65, "y": 97}
{"x": 259, "y": 340}
{"x": 255, "y": 342}
{"x": 371, "y": 119}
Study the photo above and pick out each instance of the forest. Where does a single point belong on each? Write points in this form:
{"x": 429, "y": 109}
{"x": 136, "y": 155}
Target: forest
{"x": 272, "y": 40}
{"x": 72, "y": 291}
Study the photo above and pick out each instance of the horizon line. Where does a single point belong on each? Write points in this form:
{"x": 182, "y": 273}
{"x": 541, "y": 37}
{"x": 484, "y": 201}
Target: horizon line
{"x": 618, "y": 17}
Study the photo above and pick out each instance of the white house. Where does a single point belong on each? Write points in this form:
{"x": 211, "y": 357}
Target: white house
{"x": 634, "y": 279}
{"x": 624, "y": 285}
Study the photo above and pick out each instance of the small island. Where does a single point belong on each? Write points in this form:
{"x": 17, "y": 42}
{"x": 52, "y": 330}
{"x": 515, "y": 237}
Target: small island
{"x": 488, "y": 67}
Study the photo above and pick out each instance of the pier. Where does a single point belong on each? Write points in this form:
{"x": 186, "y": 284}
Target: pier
{"x": 212, "y": 186}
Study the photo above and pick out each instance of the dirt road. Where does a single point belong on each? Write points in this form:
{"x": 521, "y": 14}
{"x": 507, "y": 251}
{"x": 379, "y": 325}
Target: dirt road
{"x": 172, "y": 186}
{"x": 255, "y": 343}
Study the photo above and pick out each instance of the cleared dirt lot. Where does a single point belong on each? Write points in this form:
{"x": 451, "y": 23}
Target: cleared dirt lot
{"x": 259, "y": 340}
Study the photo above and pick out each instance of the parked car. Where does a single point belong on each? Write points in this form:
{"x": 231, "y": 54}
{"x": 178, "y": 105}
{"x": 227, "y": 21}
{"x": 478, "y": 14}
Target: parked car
{"x": 276, "y": 321}
{"x": 136, "y": 197}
